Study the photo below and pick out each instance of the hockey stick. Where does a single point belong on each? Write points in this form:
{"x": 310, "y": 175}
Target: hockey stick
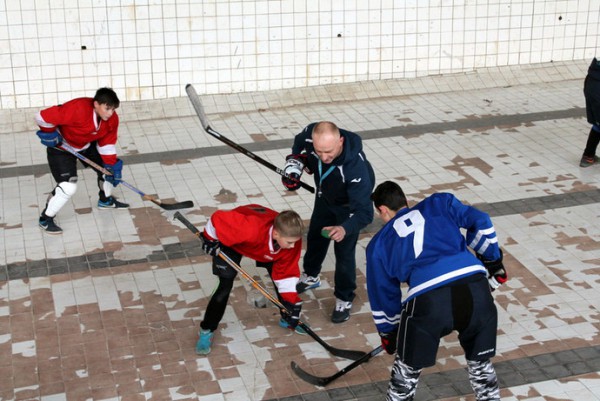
{"x": 204, "y": 121}
{"x": 342, "y": 353}
{"x": 323, "y": 381}
{"x": 166, "y": 206}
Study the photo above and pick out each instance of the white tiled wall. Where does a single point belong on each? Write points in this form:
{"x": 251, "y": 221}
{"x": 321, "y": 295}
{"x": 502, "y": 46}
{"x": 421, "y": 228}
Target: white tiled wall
{"x": 150, "y": 49}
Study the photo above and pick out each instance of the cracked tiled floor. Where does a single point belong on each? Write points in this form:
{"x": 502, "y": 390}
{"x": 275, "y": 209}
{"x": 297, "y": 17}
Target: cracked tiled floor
{"x": 110, "y": 309}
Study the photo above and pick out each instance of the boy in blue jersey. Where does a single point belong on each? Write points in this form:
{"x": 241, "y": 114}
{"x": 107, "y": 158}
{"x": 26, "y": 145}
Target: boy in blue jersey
{"x": 448, "y": 286}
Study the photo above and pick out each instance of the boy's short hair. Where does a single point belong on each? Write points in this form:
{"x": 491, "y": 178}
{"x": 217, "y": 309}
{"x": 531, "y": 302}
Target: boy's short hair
{"x": 389, "y": 194}
{"x": 107, "y": 96}
{"x": 289, "y": 224}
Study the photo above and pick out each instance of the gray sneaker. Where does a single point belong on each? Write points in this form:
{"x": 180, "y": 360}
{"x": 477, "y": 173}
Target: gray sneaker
{"x": 588, "y": 161}
{"x": 341, "y": 313}
{"x": 307, "y": 283}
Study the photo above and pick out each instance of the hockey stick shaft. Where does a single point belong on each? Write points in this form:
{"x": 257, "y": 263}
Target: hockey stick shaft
{"x": 342, "y": 353}
{"x": 204, "y": 120}
{"x": 167, "y": 206}
{"x": 323, "y": 381}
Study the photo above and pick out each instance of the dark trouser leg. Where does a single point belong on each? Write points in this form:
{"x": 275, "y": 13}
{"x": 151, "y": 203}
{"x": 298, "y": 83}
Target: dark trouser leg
{"x": 483, "y": 380}
{"x": 345, "y": 268}
{"x": 592, "y": 142}
{"x": 217, "y": 304}
{"x": 403, "y": 384}
{"x": 316, "y": 244}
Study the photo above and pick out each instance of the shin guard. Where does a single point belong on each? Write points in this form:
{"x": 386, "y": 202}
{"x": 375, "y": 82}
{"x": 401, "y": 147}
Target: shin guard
{"x": 59, "y": 197}
{"x": 484, "y": 381}
{"x": 403, "y": 383}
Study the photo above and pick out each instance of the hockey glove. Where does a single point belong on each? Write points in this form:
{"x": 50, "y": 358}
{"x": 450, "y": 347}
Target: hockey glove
{"x": 293, "y": 169}
{"x": 496, "y": 273}
{"x": 50, "y": 139}
{"x": 389, "y": 341}
{"x": 117, "y": 172}
{"x": 211, "y": 246}
{"x": 293, "y": 319}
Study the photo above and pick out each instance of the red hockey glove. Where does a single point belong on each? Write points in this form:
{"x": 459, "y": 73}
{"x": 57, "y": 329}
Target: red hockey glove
{"x": 389, "y": 341}
{"x": 294, "y": 164}
{"x": 496, "y": 272}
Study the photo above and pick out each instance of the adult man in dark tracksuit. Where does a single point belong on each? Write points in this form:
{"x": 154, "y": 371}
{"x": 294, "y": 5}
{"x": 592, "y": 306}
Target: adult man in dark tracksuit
{"x": 344, "y": 180}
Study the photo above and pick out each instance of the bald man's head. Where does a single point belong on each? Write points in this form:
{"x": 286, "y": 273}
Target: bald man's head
{"x": 327, "y": 141}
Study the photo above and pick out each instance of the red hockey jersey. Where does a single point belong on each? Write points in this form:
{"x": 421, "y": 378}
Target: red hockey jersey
{"x": 78, "y": 124}
{"x": 249, "y": 231}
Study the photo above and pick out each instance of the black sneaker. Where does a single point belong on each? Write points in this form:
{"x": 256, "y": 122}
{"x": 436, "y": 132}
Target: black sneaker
{"x": 112, "y": 203}
{"x": 47, "y": 224}
{"x": 341, "y": 313}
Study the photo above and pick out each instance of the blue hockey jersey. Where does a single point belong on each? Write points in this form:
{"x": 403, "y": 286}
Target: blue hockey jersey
{"x": 424, "y": 247}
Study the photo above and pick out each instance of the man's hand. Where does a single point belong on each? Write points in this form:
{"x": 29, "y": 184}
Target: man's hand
{"x": 117, "y": 172}
{"x": 389, "y": 341}
{"x": 496, "y": 273}
{"x": 336, "y": 233}
{"x": 50, "y": 139}
{"x": 294, "y": 164}
{"x": 211, "y": 246}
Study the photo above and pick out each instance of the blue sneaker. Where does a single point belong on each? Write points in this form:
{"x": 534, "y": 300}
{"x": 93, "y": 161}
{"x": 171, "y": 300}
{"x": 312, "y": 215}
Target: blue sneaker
{"x": 112, "y": 203}
{"x": 299, "y": 330}
{"x": 204, "y": 342}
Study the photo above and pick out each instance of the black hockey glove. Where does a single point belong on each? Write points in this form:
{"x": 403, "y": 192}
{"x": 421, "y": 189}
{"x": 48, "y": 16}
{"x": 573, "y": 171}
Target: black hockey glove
{"x": 293, "y": 318}
{"x": 210, "y": 246}
{"x": 496, "y": 273}
{"x": 389, "y": 341}
{"x": 294, "y": 164}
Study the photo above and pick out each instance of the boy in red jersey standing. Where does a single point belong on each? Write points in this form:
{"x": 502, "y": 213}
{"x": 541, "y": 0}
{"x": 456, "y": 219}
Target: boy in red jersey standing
{"x": 90, "y": 126}
{"x": 273, "y": 240}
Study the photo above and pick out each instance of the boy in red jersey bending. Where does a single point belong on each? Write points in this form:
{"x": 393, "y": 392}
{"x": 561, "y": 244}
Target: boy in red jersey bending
{"x": 273, "y": 240}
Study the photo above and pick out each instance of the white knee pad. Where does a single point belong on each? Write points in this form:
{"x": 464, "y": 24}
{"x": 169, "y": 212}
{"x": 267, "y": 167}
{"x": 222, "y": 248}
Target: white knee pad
{"x": 61, "y": 195}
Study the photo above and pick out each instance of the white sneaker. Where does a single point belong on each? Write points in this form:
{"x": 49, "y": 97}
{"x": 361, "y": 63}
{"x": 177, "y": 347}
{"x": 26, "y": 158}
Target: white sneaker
{"x": 307, "y": 283}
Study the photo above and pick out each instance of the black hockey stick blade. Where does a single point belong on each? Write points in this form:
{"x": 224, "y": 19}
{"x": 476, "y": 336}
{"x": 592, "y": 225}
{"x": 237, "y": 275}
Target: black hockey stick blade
{"x": 342, "y": 353}
{"x": 171, "y": 206}
{"x": 199, "y": 108}
{"x": 323, "y": 381}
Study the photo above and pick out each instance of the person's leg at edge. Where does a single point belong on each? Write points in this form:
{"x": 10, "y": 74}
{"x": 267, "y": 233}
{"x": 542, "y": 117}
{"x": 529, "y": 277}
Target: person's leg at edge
{"x": 483, "y": 379}
{"x": 403, "y": 383}
{"x": 592, "y": 141}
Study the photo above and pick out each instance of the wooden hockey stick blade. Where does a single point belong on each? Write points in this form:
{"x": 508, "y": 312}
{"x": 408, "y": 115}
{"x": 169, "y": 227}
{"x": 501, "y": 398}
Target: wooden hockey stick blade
{"x": 199, "y": 108}
{"x": 323, "y": 381}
